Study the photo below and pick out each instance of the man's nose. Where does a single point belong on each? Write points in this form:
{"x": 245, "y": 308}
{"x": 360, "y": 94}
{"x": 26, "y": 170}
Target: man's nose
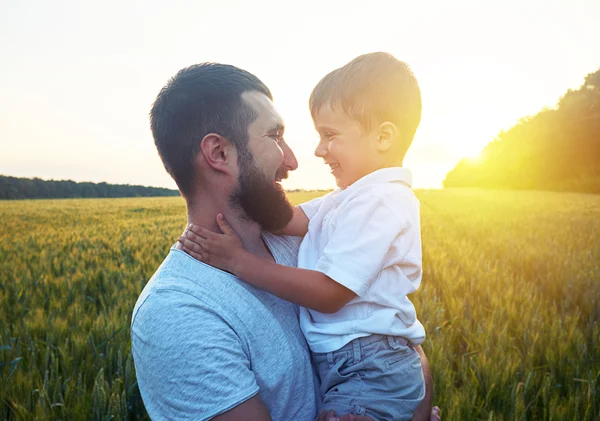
{"x": 289, "y": 159}
{"x": 321, "y": 150}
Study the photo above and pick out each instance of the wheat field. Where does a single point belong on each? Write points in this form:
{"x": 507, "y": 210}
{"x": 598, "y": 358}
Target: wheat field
{"x": 510, "y": 299}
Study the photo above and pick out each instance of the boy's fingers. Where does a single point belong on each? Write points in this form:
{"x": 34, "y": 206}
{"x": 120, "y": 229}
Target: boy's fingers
{"x": 190, "y": 245}
{"x": 192, "y": 253}
{"x": 191, "y": 248}
{"x": 198, "y": 231}
{"x": 223, "y": 224}
{"x": 191, "y": 235}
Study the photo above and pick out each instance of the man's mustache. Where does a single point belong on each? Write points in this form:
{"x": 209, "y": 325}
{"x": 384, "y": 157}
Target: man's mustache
{"x": 281, "y": 174}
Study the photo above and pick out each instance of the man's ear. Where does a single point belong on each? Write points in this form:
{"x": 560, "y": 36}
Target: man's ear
{"x": 388, "y": 134}
{"x": 218, "y": 152}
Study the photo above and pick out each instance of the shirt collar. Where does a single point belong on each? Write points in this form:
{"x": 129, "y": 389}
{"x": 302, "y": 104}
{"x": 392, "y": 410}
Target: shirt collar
{"x": 381, "y": 176}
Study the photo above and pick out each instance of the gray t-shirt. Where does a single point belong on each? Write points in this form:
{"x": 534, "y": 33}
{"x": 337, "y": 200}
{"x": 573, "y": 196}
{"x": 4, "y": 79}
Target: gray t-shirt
{"x": 204, "y": 342}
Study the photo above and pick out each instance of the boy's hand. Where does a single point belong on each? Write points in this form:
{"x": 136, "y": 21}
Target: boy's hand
{"x": 218, "y": 250}
{"x": 332, "y": 416}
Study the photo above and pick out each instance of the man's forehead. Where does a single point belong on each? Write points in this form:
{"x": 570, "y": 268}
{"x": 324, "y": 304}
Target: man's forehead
{"x": 268, "y": 117}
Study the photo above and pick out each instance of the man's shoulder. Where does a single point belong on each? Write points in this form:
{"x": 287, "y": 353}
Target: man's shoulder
{"x": 283, "y": 247}
{"x": 197, "y": 326}
{"x": 184, "y": 340}
{"x": 183, "y": 284}
{"x": 179, "y": 282}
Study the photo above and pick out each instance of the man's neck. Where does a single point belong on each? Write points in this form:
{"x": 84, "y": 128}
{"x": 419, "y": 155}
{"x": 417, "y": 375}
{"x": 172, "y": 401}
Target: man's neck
{"x": 248, "y": 230}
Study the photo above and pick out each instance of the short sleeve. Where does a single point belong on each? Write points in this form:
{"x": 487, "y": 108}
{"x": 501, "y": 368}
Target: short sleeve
{"x": 311, "y": 207}
{"x": 190, "y": 364}
{"x": 365, "y": 232}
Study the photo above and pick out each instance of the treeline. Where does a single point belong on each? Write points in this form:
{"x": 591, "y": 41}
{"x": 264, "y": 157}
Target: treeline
{"x": 557, "y": 149}
{"x": 35, "y": 188}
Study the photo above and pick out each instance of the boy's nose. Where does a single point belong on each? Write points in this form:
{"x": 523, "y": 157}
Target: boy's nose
{"x": 321, "y": 150}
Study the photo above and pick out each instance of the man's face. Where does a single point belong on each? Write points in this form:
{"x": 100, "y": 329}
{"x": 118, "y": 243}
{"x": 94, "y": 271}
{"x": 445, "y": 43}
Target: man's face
{"x": 265, "y": 163}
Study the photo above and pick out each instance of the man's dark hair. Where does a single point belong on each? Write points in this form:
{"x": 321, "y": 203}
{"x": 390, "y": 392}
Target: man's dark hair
{"x": 201, "y": 99}
{"x": 371, "y": 89}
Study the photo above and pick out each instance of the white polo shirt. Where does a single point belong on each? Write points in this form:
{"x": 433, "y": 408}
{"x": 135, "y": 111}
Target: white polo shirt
{"x": 366, "y": 237}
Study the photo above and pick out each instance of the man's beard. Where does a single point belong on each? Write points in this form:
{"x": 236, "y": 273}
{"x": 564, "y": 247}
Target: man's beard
{"x": 262, "y": 200}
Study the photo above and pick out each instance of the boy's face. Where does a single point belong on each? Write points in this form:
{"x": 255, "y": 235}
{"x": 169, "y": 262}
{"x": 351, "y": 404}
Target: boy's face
{"x": 345, "y": 146}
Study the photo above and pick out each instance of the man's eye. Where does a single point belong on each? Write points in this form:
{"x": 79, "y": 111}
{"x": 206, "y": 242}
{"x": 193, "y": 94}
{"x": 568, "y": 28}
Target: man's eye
{"x": 277, "y": 138}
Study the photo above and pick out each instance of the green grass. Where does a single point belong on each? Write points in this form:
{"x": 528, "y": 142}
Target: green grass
{"x": 510, "y": 300}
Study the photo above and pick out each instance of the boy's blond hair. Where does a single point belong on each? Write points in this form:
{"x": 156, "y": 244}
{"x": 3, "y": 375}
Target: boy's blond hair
{"x": 371, "y": 89}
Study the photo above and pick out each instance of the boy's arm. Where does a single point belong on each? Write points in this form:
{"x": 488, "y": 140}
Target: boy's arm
{"x": 303, "y": 213}
{"x": 306, "y": 288}
{"x": 303, "y": 287}
{"x": 352, "y": 258}
{"x": 298, "y": 226}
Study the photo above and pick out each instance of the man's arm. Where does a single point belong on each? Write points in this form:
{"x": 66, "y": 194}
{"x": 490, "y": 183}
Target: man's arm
{"x": 253, "y": 409}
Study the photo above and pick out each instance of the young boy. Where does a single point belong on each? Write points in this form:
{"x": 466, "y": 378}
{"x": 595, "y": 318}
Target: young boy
{"x": 361, "y": 252}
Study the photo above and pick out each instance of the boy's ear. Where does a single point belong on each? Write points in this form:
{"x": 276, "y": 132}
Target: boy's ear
{"x": 388, "y": 133}
{"x": 218, "y": 152}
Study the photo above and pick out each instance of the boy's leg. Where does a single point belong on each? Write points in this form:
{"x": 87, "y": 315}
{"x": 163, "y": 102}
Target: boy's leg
{"x": 338, "y": 385}
{"x": 394, "y": 377}
{"x": 377, "y": 376}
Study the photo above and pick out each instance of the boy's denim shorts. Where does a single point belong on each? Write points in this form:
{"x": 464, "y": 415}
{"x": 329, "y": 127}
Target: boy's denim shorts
{"x": 377, "y": 376}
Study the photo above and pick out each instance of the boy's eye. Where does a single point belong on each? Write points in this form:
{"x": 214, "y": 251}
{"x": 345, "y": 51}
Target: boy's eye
{"x": 329, "y": 136}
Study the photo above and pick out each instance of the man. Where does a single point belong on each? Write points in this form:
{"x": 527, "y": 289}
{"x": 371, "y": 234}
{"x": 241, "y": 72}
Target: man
{"x": 206, "y": 345}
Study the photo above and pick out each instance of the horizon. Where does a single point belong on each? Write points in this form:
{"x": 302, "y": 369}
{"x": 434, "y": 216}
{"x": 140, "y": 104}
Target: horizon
{"x": 79, "y": 79}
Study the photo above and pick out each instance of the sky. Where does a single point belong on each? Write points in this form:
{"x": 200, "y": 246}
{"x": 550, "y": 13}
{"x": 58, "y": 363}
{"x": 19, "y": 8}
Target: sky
{"x": 77, "y": 78}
